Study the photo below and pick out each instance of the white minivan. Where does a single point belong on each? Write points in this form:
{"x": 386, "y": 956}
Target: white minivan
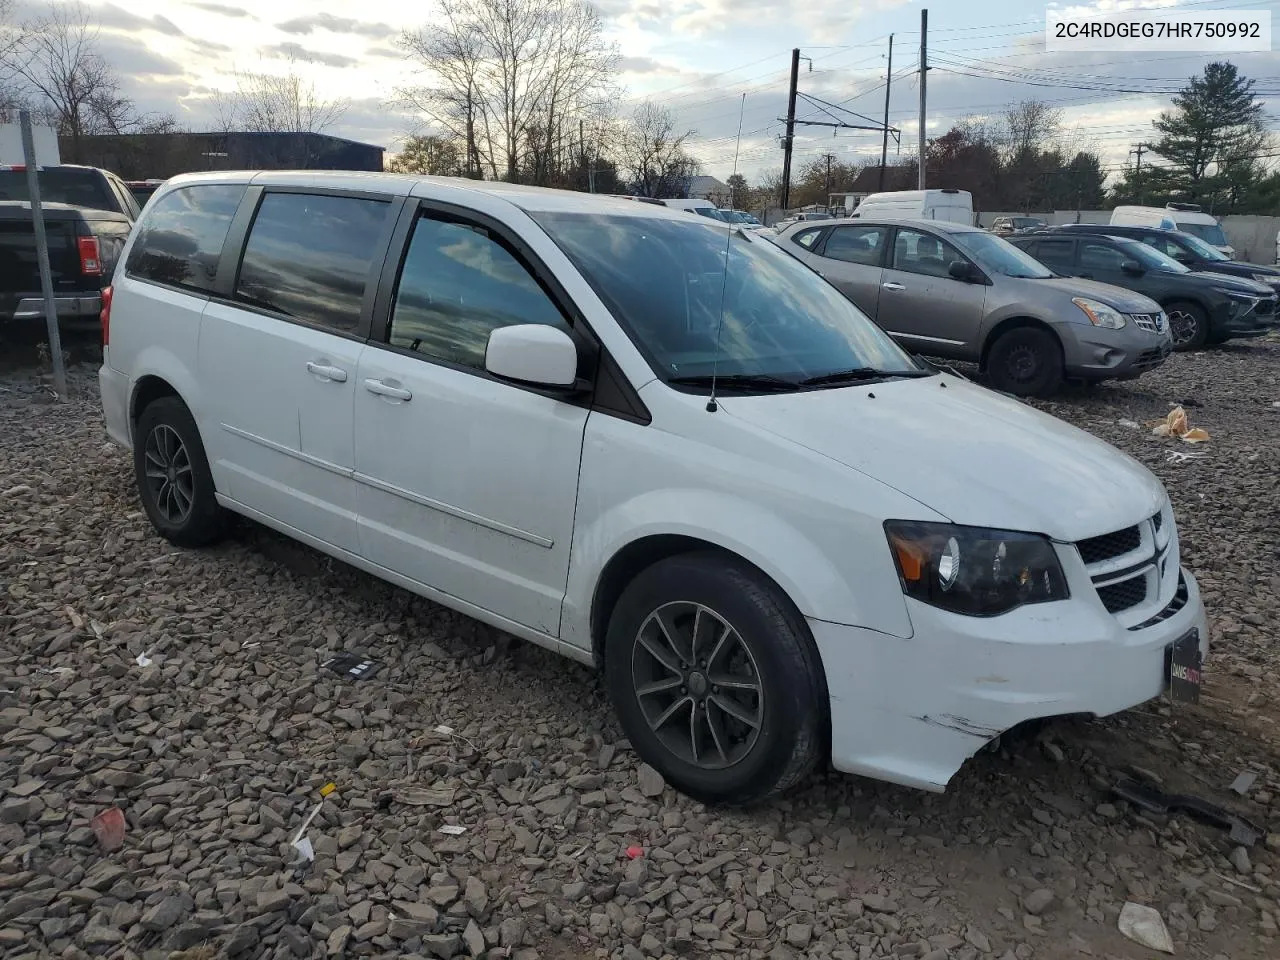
{"x": 953, "y": 206}
{"x": 1186, "y": 217}
{"x": 654, "y": 443}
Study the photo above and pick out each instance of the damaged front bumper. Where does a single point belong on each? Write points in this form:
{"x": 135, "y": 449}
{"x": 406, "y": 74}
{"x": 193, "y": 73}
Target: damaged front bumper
{"x": 912, "y": 711}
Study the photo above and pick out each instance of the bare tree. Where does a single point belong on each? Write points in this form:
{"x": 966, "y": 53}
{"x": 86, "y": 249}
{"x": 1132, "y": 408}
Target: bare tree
{"x": 653, "y": 153}
{"x": 1032, "y": 125}
{"x": 284, "y": 102}
{"x": 55, "y": 64}
{"x": 511, "y": 78}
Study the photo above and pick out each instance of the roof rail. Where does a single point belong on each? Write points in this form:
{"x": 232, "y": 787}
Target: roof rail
{"x": 1184, "y": 207}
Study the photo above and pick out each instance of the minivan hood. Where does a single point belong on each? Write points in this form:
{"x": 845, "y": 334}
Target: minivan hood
{"x": 1126, "y": 301}
{"x": 972, "y": 455}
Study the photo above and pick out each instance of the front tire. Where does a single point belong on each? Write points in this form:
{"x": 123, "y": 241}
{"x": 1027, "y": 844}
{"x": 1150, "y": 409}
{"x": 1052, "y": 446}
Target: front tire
{"x": 1027, "y": 362}
{"x": 172, "y": 473}
{"x": 716, "y": 679}
{"x": 1189, "y": 326}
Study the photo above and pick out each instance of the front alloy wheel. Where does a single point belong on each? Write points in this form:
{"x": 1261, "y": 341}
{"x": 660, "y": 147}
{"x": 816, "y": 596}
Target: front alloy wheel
{"x": 698, "y": 685}
{"x": 716, "y": 679}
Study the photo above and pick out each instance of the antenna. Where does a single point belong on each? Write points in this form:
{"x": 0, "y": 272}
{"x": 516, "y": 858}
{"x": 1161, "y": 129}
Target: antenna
{"x": 712, "y": 406}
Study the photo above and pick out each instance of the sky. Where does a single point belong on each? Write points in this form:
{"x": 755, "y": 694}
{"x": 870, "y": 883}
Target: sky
{"x": 699, "y": 57}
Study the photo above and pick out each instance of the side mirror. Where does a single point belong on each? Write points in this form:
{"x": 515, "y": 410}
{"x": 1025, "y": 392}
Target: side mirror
{"x": 532, "y": 353}
{"x": 1133, "y": 268}
{"x": 961, "y": 270}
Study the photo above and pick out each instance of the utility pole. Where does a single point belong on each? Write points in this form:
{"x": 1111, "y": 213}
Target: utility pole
{"x": 789, "y": 139}
{"x": 42, "y": 253}
{"x": 884, "y": 144}
{"x": 924, "y": 74}
{"x": 1140, "y": 149}
{"x": 829, "y": 158}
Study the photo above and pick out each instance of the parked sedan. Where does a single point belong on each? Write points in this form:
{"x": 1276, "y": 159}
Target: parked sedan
{"x": 1202, "y": 307}
{"x": 1004, "y": 226}
{"x": 1188, "y": 249}
{"x": 955, "y": 291}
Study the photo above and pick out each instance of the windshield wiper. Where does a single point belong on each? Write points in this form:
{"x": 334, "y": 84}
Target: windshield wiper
{"x": 860, "y": 375}
{"x": 748, "y": 381}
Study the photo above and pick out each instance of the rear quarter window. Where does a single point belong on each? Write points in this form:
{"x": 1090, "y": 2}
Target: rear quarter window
{"x": 180, "y": 240}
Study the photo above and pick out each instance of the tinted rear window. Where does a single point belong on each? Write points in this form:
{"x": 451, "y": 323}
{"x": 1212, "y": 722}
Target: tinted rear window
{"x": 180, "y": 240}
{"x": 80, "y": 188}
{"x": 308, "y": 256}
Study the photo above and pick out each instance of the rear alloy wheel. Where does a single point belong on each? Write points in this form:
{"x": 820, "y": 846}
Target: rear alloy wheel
{"x": 716, "y": 680}
{"x": 1188, "y": 325}
{"x": 173, "y": 476}
{"x": 1026, "y": 362}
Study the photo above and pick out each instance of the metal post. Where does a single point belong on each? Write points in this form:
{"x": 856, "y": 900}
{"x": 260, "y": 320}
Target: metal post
{"x": 924, "y": 74}
{"x": 42, "y": 254}
{"x": 791, "y": 129}
{"x": 884, "y": 144}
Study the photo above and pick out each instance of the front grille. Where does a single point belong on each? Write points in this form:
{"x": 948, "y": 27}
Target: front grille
{"x": 1129, "y": 566}
{"x": 1151, "y": 322}
{"x": 1148, "y": 358}
{"x": 1118, "y": 597}
{"x": 1177, "y": 603}
{"x": 1110, "y": 545}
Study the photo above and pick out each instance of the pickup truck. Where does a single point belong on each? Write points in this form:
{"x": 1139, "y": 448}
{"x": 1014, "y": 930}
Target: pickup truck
{"x": 88, "y": 214}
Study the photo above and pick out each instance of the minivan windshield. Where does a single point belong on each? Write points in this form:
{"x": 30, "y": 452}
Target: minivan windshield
{"x": 999, "y": 255}
{"x": 1208, "y": 232}
{"x": 1203, "y": 249}
{"x": 664, "y": 280}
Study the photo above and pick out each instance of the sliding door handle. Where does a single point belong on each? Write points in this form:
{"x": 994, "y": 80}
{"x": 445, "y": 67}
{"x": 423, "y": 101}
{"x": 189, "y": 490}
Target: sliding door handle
{"x": 384, "y": 389}
{"x": 327, "y": 372}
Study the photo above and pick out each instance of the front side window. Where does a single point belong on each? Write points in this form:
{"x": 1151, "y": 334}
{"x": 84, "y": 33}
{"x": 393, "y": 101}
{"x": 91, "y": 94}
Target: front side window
{"x": 1095, "y": 255}
{"x": 1203, "y": 249}
{"x": 1056, "y": 254}
{"x": 308, "y": 257}
{"x": 459, "y": 283}
{"x": 917, "y": 252}
{"x": 696, "y": 297}
{"x": 863, "y": 245}
{"x": 1163, "y": 243}
{"x": 999, "y": 255}
{"x": 181, "y": 239}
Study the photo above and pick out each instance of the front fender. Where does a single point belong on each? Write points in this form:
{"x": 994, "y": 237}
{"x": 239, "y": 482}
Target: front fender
{"x": 851, "y": 588}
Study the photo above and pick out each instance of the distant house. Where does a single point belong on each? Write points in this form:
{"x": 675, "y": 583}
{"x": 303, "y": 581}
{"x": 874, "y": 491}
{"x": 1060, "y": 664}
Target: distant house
{"x": 146, "y": 156}
{"x": 708, "y": 188}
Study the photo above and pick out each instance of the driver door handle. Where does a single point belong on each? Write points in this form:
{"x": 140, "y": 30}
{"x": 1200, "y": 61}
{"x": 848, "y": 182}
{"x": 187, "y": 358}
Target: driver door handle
{"x": 383, "y": 389}
{"x": 893, "y": 285}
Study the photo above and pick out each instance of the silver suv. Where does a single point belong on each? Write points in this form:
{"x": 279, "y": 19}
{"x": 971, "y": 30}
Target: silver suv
{"x": 954, "y": 291}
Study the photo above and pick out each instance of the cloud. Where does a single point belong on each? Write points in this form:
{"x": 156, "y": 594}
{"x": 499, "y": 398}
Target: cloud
{"x": 296, "y": 51}
{"x": 221, "y": 9}
{"x": 384, "y": 52}
{"x": 133, "y": 59}
{"x": 208, "y": 46}
{"x": 327, "y": 21}
{"x": 114, "y": 18}
{"x": 642, "y": 65}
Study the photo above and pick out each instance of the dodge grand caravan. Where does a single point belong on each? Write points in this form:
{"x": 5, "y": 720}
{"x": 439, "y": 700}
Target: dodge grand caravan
{"x": 654, "y": 443}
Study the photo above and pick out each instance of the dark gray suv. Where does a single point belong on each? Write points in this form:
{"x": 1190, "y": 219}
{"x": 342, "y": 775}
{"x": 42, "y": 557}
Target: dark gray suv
{"x": 954, "y": 291}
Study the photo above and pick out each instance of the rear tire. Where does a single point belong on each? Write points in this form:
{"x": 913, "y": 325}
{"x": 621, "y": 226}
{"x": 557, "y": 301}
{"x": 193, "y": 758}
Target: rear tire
{"x": 172, "y": 473}
{"x": 1189, "y": 326}
{"x": 1027, "y": 362}
{"x": 716, "y": 679}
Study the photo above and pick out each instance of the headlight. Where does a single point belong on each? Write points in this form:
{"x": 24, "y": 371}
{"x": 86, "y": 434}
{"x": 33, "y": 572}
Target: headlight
{"x": 974, "y": 570}
{"x": 1099, "y": 314}
{"x": 1270, "y": 278}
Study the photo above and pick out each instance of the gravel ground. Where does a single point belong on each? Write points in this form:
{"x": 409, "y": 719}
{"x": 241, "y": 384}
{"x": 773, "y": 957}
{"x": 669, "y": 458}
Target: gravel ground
{"x": 217, "y": 750}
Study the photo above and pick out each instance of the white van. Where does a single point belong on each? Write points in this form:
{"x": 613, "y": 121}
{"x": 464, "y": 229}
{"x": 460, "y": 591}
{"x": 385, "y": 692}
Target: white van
{"x": 1186, "y": 217}
{"x": 703, "y": 208}
{"x": 953, "y": 206}
{"x": 556, "y": 412}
